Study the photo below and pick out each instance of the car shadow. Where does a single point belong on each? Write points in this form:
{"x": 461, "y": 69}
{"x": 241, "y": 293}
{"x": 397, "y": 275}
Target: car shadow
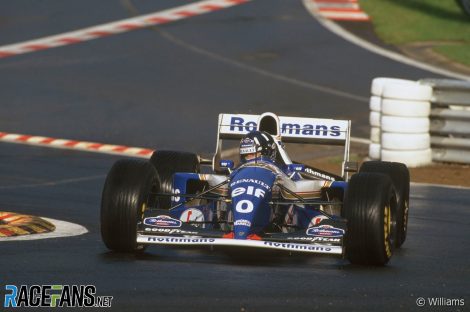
{"x": 219, "y": 255}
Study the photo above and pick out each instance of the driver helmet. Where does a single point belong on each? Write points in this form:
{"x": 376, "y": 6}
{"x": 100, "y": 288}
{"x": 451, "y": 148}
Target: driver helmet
{"x": 257, "y": 144}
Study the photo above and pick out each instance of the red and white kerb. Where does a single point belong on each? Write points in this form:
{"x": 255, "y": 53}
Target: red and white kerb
{"x": 118, "y": 27}
{"x": 75, "y": 145}
{"x": 340, "y": 10}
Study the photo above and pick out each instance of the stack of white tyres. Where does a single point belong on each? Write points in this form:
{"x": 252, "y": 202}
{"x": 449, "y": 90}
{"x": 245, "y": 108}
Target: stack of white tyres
{"x": 404, "y": 121}
{"x": 375, "y": 105}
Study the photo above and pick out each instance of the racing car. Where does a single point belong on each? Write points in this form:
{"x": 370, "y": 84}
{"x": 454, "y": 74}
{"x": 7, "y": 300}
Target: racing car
{"x": 268, "y": 202}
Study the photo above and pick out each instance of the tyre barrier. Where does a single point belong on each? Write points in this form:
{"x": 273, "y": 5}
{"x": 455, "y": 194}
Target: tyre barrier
{"x": 375, "y": 115}
{"x": 375, "y": 134}
{"x": 417, "y": 122}
{"x": 13, "y": 224}
{"x": 379, "y": 83}
{"x": 374, "y": 119}
{"x": 399, "y": 124}
{"x": 406, "y": 108}
{"x": 403, "y": 108}
{"x": 374, "y": 150}
{"x": 412, "y": 158}
{"x": 375, "y": 103}
{"x": 405, "y": 141}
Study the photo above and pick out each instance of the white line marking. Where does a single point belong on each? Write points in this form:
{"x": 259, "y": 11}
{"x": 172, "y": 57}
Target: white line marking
{"x": 262, "y": 72}
{"x": 457, "y": 187}
{"x": 342, "y": 5}
{"x": 345, "y": 15}
{"x": 338, "y": 30}
{"x": 62, "y": 229}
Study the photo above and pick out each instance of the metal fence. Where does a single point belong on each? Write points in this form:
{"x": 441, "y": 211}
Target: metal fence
{"x": 450, "y": 120}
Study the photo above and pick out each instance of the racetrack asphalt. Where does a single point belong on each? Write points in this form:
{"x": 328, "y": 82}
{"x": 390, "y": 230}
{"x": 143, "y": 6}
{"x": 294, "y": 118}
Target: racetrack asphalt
{"x": 163, "y": 89}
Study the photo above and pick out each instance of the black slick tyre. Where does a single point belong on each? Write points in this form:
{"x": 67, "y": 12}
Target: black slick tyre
{"x": 369, "y": 207}
{"x": 400, "y": 176}
{"x": 126, "y": 194}
{"x": 168, "y": 163}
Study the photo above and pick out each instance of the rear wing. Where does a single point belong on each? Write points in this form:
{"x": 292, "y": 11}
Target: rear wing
{"x": 287, "y": 129}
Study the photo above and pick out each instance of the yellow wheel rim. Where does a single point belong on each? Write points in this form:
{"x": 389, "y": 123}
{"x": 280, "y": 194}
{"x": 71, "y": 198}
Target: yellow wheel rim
{"x": 387, "y": 230}
{"x": 144, "y": 207}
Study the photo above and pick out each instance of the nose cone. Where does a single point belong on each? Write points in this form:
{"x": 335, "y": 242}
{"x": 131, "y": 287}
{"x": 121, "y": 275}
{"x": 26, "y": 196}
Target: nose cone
{"x": 242, "y": 228}
{"x": 250, "y": 190}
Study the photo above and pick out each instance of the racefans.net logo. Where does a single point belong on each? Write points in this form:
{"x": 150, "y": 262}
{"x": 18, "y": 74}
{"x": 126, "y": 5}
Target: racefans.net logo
{"x": 71, "y": 296}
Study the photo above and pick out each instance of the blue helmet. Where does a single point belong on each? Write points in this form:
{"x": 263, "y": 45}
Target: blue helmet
{"x": 257, "y": 142}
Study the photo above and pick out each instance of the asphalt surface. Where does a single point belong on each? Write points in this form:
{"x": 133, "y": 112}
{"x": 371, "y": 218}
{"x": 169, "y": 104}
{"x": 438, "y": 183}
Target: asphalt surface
{"x": 163, "y": 88}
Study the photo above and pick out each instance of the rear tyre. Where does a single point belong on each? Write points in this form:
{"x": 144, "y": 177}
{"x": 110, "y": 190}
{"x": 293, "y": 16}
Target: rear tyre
{"x": 126, "y": 194}
{"x": 400, "y": 177}
{"x": 369, "y": 208}
{"x": 167, "y": 164}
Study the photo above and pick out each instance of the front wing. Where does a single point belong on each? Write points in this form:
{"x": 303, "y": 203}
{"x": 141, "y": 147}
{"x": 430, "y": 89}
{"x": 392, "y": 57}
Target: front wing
{"x": 158, "y": 228}
{"x": 209, "y": 241}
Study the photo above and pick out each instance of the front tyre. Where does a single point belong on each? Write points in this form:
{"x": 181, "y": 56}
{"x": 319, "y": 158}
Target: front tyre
{"x": 400, "y": 176}
{"x": 126, "y": 194}
{"x": 370, "y": 209}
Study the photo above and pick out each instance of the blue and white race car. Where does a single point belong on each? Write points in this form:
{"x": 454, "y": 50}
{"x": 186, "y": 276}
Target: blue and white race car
{"x": 267, "y": 201}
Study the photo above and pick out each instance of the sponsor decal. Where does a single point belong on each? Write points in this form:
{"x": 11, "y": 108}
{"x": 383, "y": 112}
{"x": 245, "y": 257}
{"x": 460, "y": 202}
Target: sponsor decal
{"x": 297, "y": 246}
{"x": 247, "y": 150}
{"x": 247, "y": 141}
{"x": 316, "y": 220}
{"x": 297, "y": 167}
{"x": 169, "y": 231}
{"x": 255, "y": 181}
{"x": 319, "y": 174}
{"x": 177, "y": 240}
{"x": 176, "y": 198}
{"x": 250, "y": 190}
{"x": 227, "y": 164}
{"x": 238, "y": 124}
{"x": 192, "y": 214}
{"x": 247, "y": 146}
{"x": 325, "y": 230}
{"x": 242, "y": 222}
{"x": 54, "y": 296}
{"x": 320, "y": 239}
{"x": 163, "y": 221}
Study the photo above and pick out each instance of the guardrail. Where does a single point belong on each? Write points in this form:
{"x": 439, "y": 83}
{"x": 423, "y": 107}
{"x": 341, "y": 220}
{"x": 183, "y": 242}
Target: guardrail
{"x": 420, "y": 122}
{"x": 450, "y": 120}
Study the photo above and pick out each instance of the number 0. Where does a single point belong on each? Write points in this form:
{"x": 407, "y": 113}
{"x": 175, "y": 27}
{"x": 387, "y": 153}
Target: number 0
{"x": 244, "y": 206}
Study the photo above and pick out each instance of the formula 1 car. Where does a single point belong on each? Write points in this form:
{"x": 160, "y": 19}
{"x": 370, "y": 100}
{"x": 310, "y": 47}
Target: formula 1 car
{"x": 281, "y": 205}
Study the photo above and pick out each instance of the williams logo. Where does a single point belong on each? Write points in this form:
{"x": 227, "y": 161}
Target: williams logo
{"x": 163, "y": 221}
{"x": 55, "y": 296}
{"x": 325, "y": 230}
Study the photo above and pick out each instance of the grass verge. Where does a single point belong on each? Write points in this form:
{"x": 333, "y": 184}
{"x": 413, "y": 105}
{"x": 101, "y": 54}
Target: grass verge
{"x": 401, "y": 22}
